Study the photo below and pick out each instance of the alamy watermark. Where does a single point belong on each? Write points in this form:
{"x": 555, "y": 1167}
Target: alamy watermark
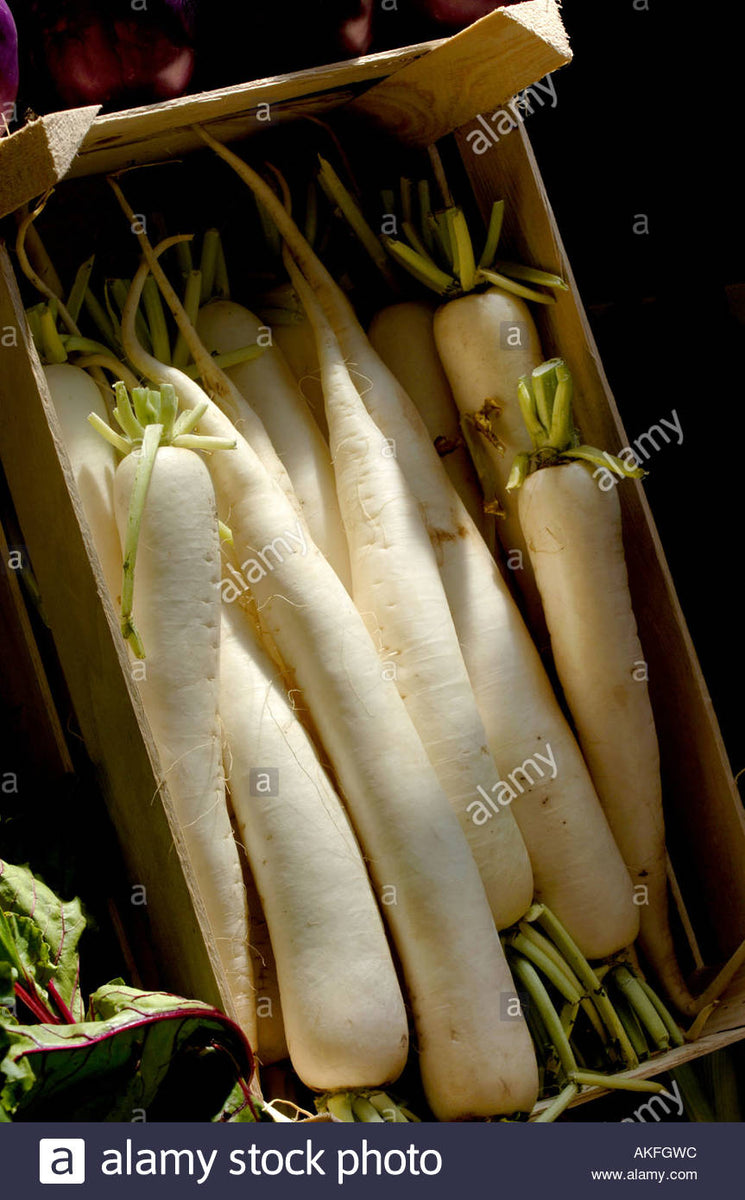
{"x": 262, "y": 562}
{"x": 510, "y": 788}
{"x": 638, "y": 453}
{"x": 504, "y": 120}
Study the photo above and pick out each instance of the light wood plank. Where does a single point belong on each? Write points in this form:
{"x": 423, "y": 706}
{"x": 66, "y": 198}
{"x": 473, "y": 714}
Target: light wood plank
{"x": 24, "y": 679}
{"x": 473, "y": 72}
{"x": 157, "y": 131}
{"x": 37, "y": 156}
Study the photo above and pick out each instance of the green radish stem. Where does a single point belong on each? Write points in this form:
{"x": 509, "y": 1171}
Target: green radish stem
{"x": 156, "y": 321}
{"x": 366, "y": 1107}
{"x": 518, "y": 941}
{"x": 525, "y": 973}
{"x": 632, "y": 1025}
{"x": 673, "y": 1029}
{"x": 208, "y": 263}
{"x": 621, "y": 1083}
{"x": 101, "y": 319}
{"x": 192, "y": 300}
{"x": 25, "y": 264}
{"x": 79, "y": 288}
{"x": 559, "y": 1105}
{"x": 116, "y": 292}
{"x": 221, "y": 286}
{"x": 111, "y": 364}
{"x": 45, "y": 326}
{"x": 584, "y": 972}
{"x": 52, "y": 345}
{"x": 350, "y": 210}
{"x": 642, "y": 1007}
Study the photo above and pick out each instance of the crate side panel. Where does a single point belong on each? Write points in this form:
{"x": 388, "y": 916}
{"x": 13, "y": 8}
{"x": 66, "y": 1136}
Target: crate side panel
{"x": 158, "y": 131}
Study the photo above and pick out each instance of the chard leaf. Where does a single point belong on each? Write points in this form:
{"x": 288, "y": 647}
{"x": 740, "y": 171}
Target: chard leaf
{"x": 118, "y": 1059}
{"x": 59, "y": 926}
{"x": 8, "y": 976}
{"x": 238, "y": 1108}
{"x": 32, "y": 952}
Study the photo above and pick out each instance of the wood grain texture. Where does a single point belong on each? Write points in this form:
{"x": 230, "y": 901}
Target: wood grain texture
{"x": 159, "y": 131}
{"x": 25, "y": 686}
{"x": 93, "y": 657}
{"x": 703, "y": 809}
{"x": 37, "y": 156}
{"x": 473, "y": 72}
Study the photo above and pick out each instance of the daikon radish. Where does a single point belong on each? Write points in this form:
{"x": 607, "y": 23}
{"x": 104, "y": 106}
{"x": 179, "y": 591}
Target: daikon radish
{"x": 573, "y": 530}
{"x": 402, "y": 334}
{"x": 577, "y": 867}
{"x": 397, "y": 586}
{"x": 472, "y": 1062}
{"x": 176, "y": 611}
{"x": 269, "y": 387}
{"x": 344, "y": 1016}
{"x": 297, "y": 343}
{"x": 74, "y": 395}
{"x": 486, "y": 341}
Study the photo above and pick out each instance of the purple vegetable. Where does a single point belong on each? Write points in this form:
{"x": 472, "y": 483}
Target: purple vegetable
{"x": 355, "y": 30}
{"x": 117, "y": 53}
{"x": 8, "y": 64}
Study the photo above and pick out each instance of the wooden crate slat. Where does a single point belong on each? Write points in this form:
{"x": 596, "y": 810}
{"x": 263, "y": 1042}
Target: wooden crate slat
{"x": 473, "y": 72}
{"x": 37, "y": 156}
{"x": 156, "y": 131}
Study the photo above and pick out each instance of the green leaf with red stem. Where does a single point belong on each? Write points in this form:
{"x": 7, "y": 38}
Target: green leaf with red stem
{"x": 116, "y": 1061}
{"x": 58, "y": 924}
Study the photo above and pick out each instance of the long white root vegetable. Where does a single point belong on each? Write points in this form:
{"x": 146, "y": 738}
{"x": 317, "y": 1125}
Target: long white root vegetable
{"x": 270, "y": 389}
{"x": 298, "y": 345}
{"x": 573, "y": 532}
{"x": 177, "y": 613}
{"x": 398, "y": 588}
{"x": 93, "y": 461}
{"x": 577, "y": 867}
{"x": 344, "y": 1016}
{"x": 472, "y": 1063}
{"x": 403, "y": 335}
{"x": 486, "y": 341}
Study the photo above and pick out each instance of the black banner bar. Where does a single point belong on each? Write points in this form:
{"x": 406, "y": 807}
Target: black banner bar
{"x": 432, "y": 1161}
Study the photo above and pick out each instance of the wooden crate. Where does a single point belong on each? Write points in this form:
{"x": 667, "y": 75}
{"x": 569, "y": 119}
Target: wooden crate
{"x": 423, "y": 100}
